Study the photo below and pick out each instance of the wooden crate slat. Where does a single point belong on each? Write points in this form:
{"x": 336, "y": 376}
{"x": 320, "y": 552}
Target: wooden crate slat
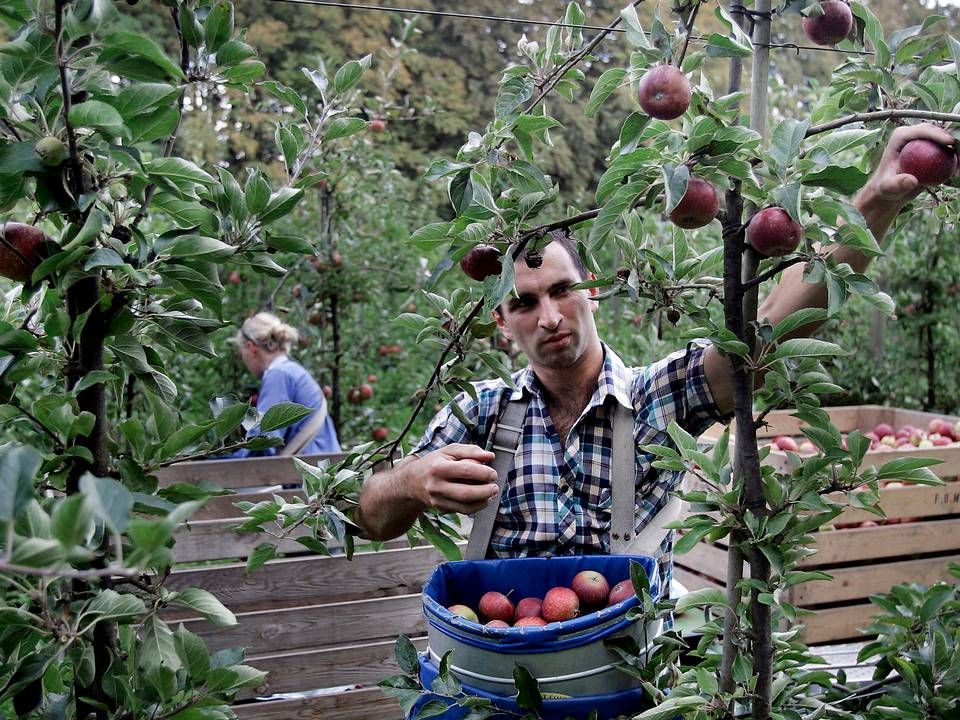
{"x": 222, "y": 507}
{"x": 239, "y": 473}
{"x": 840, "y": 623}
{"x": 313, "y": 579}
{"x": 304, "y": 670}
{"x": 215, "y": 540}
{"x": 860, "y": 582}
{"x": 917, "y": 501}
{"x": 362, "y": 704}
{"x": 316, "y": 626}
{"x": 706, "y": 559}
{"x": 885, "y": 541}
{"x": 692, "y": 581}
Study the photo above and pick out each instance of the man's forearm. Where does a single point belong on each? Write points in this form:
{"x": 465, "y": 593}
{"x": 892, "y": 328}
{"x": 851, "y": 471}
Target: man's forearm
{"x": 385, "y": 512}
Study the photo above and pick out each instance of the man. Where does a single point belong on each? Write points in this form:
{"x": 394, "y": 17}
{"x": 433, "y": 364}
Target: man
{"x": 556, "y": 499}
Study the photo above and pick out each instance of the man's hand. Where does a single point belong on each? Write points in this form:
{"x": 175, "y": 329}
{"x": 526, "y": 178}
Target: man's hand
{"x": 456, "y": 478}
{"x": 890, "y": 188}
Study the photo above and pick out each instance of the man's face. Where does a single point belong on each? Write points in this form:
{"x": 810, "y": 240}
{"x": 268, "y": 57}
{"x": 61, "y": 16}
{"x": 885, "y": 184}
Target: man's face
{"x": 552, "y": 324}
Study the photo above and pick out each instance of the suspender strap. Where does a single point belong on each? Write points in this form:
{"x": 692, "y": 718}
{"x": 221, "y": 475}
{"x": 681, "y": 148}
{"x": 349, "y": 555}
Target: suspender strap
{"x": 307, "y": 433}
{"x": 623, "y": 485}
{"x": 506, "y": 439}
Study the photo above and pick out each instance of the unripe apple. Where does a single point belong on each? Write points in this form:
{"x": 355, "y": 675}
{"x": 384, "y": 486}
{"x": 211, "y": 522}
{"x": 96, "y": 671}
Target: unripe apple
{"x": 481, "y": 262}
{"x": 51, "y": 151}
{"x": 591, "y": 587}
{"x": 497, "y": 624}
{"x": 929, "y": 162}
{"x": 528, "y": 607}
{"x": 496, "y": 606}
{"x": 831, "y": 25}
{"x": 21, "y": 250}
{"x": 772, "y": 232}
{"x": 807, "y": 448}
{"x": 698, "y": 206}
{"x": 377, "y": 125}
{"x": 464, "y": 612}
{"x": 925, "y": 443}
{"x": 664, "y": 92}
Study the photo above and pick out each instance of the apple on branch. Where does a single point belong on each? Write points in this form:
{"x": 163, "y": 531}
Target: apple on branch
{"x": 21, "y": 250}
{"x": 772, "y": 232}
{"x": 698, "y": 206}
{"x": 929, "y": 162}
{"x": 664, "y": 92}
{"x": 481, "y": 262}
{"x": 828, "y": 22}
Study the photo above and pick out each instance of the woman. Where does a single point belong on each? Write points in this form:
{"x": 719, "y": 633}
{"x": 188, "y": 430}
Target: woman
{"x": 263, "y": 342}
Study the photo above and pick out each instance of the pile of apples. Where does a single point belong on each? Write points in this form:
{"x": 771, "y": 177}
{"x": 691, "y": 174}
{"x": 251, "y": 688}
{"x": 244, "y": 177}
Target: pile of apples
{"x": 883, "y": 437}
{"x": 588, "y": 592}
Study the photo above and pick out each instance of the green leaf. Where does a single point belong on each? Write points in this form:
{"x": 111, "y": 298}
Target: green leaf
{"x": 233, "y": 52}
{"x": 514, "y": 91}
{"x": 218, "y": 27}
{"x": 207, "y": 605}
{"x": 528, "y": 689}
{"x": 631, "y": 22}
{"x": 71, "y": 521}
{"x": 182, "y": 438}
{"x": 787, "y": 139}
{"x": 798, "y": 319}
{"x": 160, "y": 123}
{"x": 19, "y": 465}
{"x": 260, "y": 555}
{"x": 440, "y": 541}
{"x": 343, "y": 127}
{"x": 110, "y": 605}
{"x": 281, "y": 203}
{"x": 109, "y": 500}
{"x": 192, "y": 653}
{"x": 182, "y": 173}
{"x": 406, "y": 654}
{"x": 673, "y": 707}
{"x": 283, "y": 414}
{"x": 99, "y": 116}
{"x": 256, "y": 193}
{"x": 701, "y": 598}
{"x": 724, "y": 46}
{"x": 621, "y": 201}
{"x": 143, "y": 98}
{"x": 158, "y": 648}
{"x": 349, "y": 74}
{"x": 804, "y": 347}
{"x": 847, "y": 179}
{"x": 605, "y": 87}
{"x": 690, "y": 538}
{"x": 120, "y": 46}
{"x": 197, "y": 247}
{"x": 289, "y": 243}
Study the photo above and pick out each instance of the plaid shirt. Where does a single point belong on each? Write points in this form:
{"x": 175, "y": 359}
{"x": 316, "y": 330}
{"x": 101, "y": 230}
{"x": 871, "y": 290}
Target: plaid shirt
{"x": 557, "y": 496}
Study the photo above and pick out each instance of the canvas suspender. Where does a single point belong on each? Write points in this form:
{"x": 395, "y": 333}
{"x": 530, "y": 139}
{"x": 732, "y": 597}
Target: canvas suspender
{"x": 506, "y": 438}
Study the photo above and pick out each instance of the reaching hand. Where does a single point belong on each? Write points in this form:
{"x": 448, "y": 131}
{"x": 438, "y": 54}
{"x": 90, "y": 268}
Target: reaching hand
{"x": 456, "y": 478}
{"x": 888, "y": 182}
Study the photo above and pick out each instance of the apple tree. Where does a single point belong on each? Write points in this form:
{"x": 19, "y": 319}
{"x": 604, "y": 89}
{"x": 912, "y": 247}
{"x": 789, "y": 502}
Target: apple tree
{"x": 785, "y": 203}
{"x": 112, "y": 236}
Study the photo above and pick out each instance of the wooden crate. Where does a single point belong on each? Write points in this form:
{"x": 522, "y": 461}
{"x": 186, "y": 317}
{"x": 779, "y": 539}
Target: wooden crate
{"x": 323, "y": 627}
{"x": 862, "y": 560}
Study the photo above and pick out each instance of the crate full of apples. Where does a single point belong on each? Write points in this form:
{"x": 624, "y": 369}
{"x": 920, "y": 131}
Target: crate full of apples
{"x": 550, "y": 614}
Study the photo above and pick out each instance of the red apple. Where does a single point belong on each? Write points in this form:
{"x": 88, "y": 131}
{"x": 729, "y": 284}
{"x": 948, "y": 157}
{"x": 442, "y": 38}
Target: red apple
{"x": 620, "y": 592}
{"x": 353, "y": 395}
{"x": 497, "y": 623}
{"x": 234, "y": 278}
{"x": 698, "y": 206}
{"x": 929, "y": 162}
{"x": 377, "y": 125}
{"x": 481, "y": 262}
{"x": 530, "y": 621}
{"x": 366, "y": 391}
{"x": 371, "y": 378}
{"x": 380, "y": 434}
{"x": 807, "y": 448}
{"x": 591, "y": 587}
{"x": 772, "y": 232}
{"x": 327, "y": 391}
{"x": 528, "y": 607}
{"x": 560, "y": 603}
{"x": 868, "y": 524}
{"x": 664, "y": 92}
{"x": 830, "y": 24}
{"x": 882, "y": 430}
{"x": 464, "y": 612}
{"x": 784, "y": 442}
{"x": 496, "y": 606}
{"x": 21, "y": 250}
{"x": 942, "y": 440}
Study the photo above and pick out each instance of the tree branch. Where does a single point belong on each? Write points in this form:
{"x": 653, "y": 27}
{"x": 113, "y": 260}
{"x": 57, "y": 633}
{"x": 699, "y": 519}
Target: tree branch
{"x": 772, "y": 272}
{"x": 882, "y": 115}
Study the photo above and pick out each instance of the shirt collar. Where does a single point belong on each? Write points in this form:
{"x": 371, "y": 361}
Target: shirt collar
{"x": 276, "y": 361}
{"x": 615, "y": 381}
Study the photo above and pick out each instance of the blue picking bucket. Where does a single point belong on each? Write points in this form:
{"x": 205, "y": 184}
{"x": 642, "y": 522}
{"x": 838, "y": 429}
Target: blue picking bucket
{"x": 628, "y": 702}
{"x": 567, "y": 658}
